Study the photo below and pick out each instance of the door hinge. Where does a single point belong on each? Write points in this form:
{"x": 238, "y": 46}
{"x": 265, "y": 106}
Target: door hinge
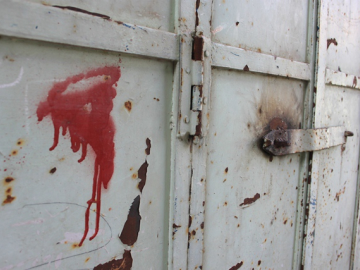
{"x": 197, "y": 80}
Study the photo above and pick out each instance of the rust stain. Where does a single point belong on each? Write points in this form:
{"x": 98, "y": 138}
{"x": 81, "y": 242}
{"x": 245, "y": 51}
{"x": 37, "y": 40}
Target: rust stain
{"x": 176, "y": 226}
{"x": 226, "y": 169}
{"x": 277, "y": 123}
{"x": 331, "y": 41}
{"x": 237, "y": 266}
{"x": 237, "y": 23}
{"x": 198, "y": 46}
{"x": 354, "y": 82}
{"x": 246, "y": 68}
{"x": 87, "y": 259}
{"x": 123, "y": 264}
{"x": 8, "y": 180}
{"x": 259, "y": 262}
{"x": 148, "y": 146}
{"x": 9, "y": 58}
{"x": 142, "y": 175}
{"x": 196, "y": 13}
{"x": 8, "y": 191}
{"x": 131, "y": 227}
{"x": 202, "y": 225}
{"x": 53, "y": 170}
{"x": 8, "y": 199}
{"x": 337, "y": 196}
{"x": 128, "y": 105}
{"x": 248, "y": 201}
{"x": 20, "y": 142}
{"x": 134, "y": 176}
{"x": 285, "y": 221}
{"x": 14, "y": 152}
{"x": 105, "y": 17}
{"x": 75, "y": 245}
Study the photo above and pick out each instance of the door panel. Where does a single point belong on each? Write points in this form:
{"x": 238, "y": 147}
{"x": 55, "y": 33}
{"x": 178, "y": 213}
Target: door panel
{"x": 271, "y": 27}
{"x": 45, "y": 193}
{"x": 251, "y": 197}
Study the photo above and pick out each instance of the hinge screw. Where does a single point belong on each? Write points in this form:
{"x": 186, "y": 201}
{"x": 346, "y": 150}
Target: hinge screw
{"x": 206, "y": 53}
{"x": 187, "y": 70}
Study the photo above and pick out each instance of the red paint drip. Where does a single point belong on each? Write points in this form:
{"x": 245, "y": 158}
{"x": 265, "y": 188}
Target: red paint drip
{"x": 86, "y": 115}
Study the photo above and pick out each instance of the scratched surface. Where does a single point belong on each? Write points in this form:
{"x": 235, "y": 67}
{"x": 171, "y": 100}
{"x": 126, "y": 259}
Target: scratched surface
{"x": 262, "y": 26}
{"x": 44, "y": 193}
{"x": 154, "y": 14}
{"x": 251, "y": 198}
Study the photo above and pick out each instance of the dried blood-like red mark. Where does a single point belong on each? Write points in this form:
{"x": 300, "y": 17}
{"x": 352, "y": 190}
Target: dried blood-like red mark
{"x": 86, "y": 115}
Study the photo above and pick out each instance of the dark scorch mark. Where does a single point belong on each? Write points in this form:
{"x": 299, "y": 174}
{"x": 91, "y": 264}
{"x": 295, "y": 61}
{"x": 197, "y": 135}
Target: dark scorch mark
{"x": 131, "y": 227}
{"x": 251, "y": 200}
{"x": 123, "y": 264}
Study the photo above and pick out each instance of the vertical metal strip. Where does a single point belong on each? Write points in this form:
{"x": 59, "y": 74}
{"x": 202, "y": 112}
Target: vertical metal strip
{"x": 180, "y": 146}
{"x": 199, "y": 151}
{"x": 306, "y": 124}
{"x": 317, "y": 122}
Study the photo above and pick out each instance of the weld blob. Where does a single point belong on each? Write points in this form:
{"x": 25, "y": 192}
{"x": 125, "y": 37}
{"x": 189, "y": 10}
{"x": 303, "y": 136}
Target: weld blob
{"x": 86, "y": 115}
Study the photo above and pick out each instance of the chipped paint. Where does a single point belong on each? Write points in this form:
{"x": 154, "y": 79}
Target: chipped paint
{"x": 123, "y": 264}
{"x": 131, "y": 227}
{"x": 248, "y": 201}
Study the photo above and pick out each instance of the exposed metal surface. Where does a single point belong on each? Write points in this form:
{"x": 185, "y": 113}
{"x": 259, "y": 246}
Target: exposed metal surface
{"x": 280, "y": 141}
{"x": 78, "y": 28}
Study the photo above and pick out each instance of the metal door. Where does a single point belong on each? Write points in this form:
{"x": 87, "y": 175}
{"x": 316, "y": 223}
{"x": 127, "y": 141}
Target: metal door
{"x": 163, "y": 106}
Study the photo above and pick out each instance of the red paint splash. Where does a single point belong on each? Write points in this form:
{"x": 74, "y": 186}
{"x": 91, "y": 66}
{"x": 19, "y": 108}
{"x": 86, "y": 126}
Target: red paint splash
{"x": 86, "y": 115}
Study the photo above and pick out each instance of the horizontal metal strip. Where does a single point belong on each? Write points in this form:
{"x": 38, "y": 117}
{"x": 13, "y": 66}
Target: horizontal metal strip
{"x": 342, "y": 79}
{"x": 240, "y": 59}
{"x": 71, "y": 26}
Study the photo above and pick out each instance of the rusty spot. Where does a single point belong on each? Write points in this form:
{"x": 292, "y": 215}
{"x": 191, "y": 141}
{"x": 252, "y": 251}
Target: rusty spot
{"x": 131, "y": 227}
{"x": 20, "y": 142}
{"x": 331, "y": 41}
{"x": 225, "y": 203}
{"x": 237, "y": 23}
{"x": 190, "y": 221}
{"x": 148, "y": 146}
{"x": 202, "y": 225}
{"x": 285, "y": 221}
{"x": 8, "y": 180}
{"x": 271, "y": 158}
{"x": 134, "y": 176}
{"x": 354, "y": 82}
{"x": 157, "y": 98}
{"x": 246, "y": 68}
{"x": 87, "y": 259}
{"x": 9, "y": 59}
{"x": 337, "y": 196}
{"x": 75, "y": 245}
{"x": 248, "y": 201}
{"x": 14, "y": 152}
{"x": 128, "y": 105}
{"x": 8, "y": 190}
{"x": 8, "y": 199}
{"x": 193, "y": 232}
{"x": 142, "y": 175}
{"x": 226, "y": 169}
{"x": 198, "y": 46}
{"x": 237, "y": 266}
{"x": 277, "y": 123}
{"x": 105, "y": 17}
{"x": 259, "y": 262}
{"x": 53, "y": 170}
{"x": 123, "y": 264}
{"x": 176, "y": 226}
